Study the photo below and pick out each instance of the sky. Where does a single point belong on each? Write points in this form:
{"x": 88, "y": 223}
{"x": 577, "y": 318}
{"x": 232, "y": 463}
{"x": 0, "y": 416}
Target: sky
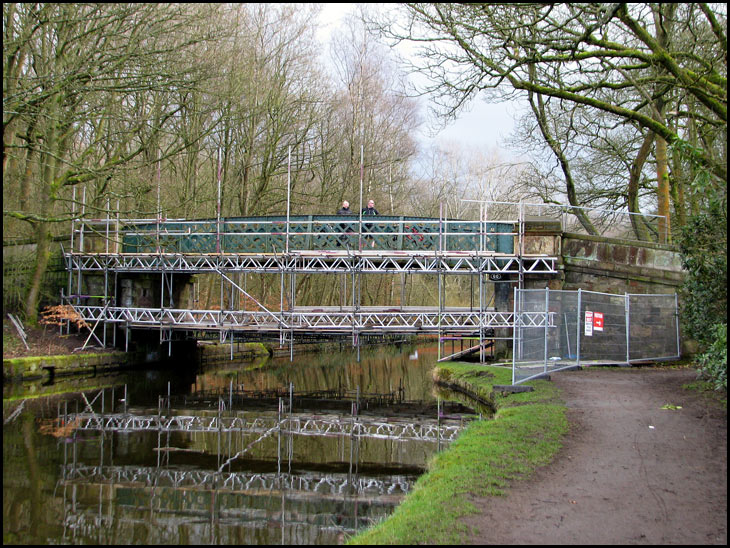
{"x": 480, "y": 125}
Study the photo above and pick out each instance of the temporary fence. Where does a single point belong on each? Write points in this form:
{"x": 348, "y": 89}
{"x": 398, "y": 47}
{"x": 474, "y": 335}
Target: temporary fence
{"x": 584, "y": 327}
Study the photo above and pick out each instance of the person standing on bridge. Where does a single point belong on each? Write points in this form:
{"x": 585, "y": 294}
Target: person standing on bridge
{"x": 345, "y": 209}
{"x": 369, "y": 211}
{"x": 344, "y": 227}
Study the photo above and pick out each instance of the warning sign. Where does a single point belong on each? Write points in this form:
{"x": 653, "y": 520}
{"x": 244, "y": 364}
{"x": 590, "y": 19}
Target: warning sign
{"x": 598, "y": 321}
{"x": 589, "y": 324}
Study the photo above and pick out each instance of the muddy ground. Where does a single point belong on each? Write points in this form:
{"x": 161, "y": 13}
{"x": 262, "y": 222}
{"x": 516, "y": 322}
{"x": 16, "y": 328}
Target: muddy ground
{"x": 645, "y": 462}
{"x": 43, "y": 341}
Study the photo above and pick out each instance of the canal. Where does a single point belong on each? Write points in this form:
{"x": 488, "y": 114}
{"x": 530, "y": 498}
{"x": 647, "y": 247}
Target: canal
{"x": 264, "y": 452}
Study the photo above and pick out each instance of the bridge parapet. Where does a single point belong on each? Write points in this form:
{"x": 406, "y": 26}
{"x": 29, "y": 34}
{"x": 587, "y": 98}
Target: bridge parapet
{"x": 615, "y": 265}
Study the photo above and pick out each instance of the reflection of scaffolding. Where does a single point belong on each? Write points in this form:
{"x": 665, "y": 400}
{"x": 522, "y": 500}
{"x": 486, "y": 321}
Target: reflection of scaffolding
{"x": 322, "y": 484}
{"x": 419, "y": 428}
{"x": 231, "y": 502}
{"x": 358, "y": 427}
{"x": 494, "y": 251}
{"x": 163, "y": 515}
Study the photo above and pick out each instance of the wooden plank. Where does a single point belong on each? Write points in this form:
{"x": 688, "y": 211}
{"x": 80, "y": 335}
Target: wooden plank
{"x": 462, "y": 353}
{"x": 19, "y": 328}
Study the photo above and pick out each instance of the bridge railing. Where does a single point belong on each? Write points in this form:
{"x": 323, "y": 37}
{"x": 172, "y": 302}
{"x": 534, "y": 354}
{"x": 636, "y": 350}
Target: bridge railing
{"x": 274, "y": 235}
{"x": 500, "y": 228}
{"x": 609, "y": 223}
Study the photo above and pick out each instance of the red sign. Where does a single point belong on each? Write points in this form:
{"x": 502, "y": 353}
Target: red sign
{"x": 598, "y": 321}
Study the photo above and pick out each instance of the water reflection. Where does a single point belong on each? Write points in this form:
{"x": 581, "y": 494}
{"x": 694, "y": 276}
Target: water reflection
{"x": 225, "y": 483}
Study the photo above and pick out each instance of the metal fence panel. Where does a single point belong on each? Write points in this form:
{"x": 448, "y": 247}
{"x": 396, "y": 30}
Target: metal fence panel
{"x": 529, "y": 339}
{"x": 653, "y": 327}
{"x": 551, "y": 346}
{"x": 603, "y": 334}
{"x": 581, "y": 327}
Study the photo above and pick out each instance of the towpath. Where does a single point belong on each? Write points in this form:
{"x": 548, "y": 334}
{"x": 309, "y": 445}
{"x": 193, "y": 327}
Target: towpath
{"x": 645, "y": 462}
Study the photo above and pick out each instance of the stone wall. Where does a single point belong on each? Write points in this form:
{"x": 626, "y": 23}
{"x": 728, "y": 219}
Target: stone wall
{"x": 139, "y": 290}
{"x": 618, "y": 266}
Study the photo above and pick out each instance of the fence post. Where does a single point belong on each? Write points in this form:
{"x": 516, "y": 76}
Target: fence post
{"x": 676, "y": 323}
{"x": 627, "y": 310}
{"x": 578, "y": 323}
{"x": 288, "y": 199}
{"x": 547, "y": 306}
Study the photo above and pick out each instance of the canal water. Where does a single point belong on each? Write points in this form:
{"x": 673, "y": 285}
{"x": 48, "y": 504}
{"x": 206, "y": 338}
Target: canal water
{"x": 64, "y": 484}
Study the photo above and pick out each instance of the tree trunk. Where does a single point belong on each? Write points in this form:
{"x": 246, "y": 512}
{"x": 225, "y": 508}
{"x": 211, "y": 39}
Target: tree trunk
{"x": 43, "y": 253}
{"x": 662, "y": 190}
{"x": 637, "y": 222}
{"x": 663, "y": 23}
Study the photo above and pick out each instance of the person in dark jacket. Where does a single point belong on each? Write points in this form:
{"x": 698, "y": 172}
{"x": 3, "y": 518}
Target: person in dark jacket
{"x": 344, "y": 227}
{"x": 369, "y": 211}
{"x": 345, "y": 209}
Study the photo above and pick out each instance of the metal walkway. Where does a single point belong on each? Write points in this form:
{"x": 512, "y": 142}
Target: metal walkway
{"x": 321, "y": 262}
{"x": 303, "y": 320}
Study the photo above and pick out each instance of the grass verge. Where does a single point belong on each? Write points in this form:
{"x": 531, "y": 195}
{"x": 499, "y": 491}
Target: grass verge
{"x": 524, "y": 434}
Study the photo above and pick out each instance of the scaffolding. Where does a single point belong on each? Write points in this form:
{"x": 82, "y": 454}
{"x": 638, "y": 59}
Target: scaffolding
{"x": 106, "y": 255}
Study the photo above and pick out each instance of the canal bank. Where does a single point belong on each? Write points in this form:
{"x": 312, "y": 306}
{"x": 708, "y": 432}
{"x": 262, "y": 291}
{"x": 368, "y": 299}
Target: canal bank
{"x": 525, "y": 433}
{"x": 49, "y": 367}
{"x": 44, "y": 354}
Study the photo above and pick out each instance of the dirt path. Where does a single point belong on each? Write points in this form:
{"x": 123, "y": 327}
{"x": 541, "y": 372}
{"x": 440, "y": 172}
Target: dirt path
{"x": 630, "y": 472}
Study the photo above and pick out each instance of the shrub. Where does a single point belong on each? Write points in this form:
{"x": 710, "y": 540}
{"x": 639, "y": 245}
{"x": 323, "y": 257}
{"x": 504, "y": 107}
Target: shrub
{"x": 703, "y": 245}
{"x": 713, "y": 363}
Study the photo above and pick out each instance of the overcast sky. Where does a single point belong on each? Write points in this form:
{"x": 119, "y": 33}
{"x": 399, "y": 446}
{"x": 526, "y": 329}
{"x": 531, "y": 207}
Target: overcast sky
{"x": 481, "y": 125}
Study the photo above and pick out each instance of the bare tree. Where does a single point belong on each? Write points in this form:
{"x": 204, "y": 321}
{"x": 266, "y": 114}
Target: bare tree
{"x": 86, "y": 88}
{"x": 376, "y": 119}
{"x": 619, "y": 59}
